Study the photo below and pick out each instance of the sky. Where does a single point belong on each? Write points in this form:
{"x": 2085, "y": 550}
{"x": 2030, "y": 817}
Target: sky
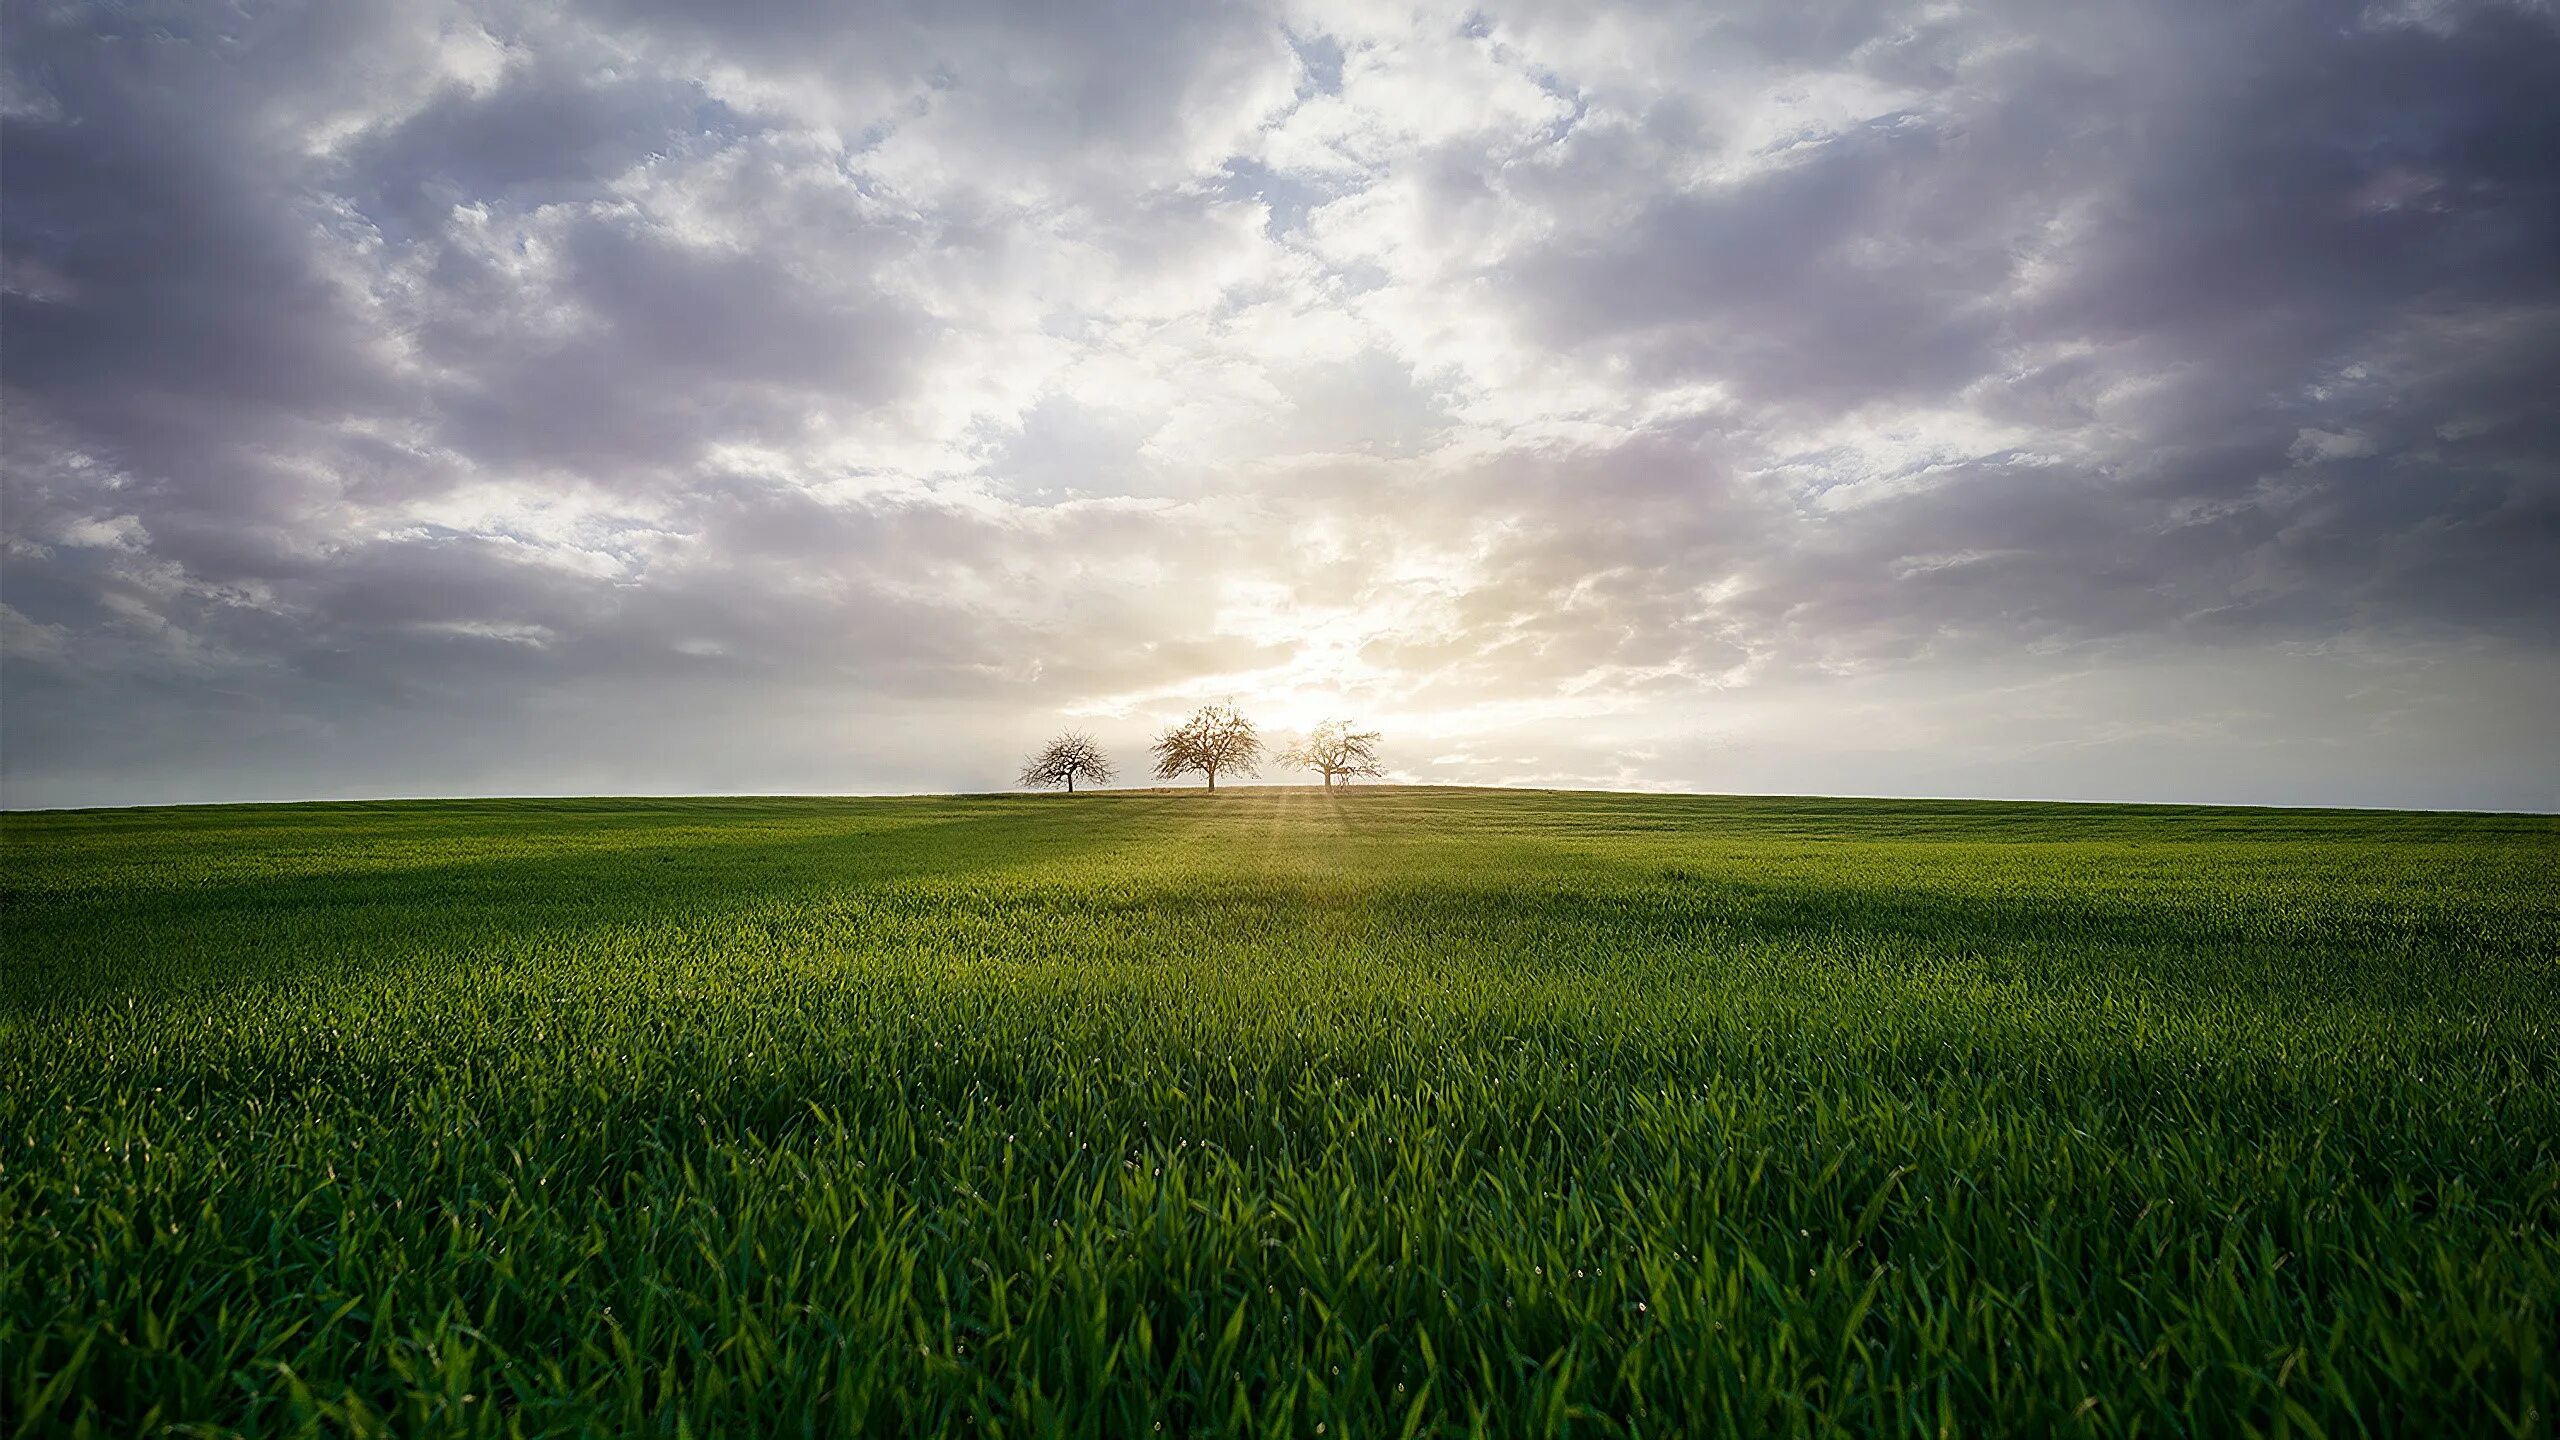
{"x": 2143, "y": 401}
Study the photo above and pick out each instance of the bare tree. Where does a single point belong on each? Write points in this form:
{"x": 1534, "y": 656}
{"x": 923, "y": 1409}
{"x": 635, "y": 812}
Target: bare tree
{"x": 1334, "y": 748}
{"x": 1068, "y": 757}
{"x": 1215, "y": 738}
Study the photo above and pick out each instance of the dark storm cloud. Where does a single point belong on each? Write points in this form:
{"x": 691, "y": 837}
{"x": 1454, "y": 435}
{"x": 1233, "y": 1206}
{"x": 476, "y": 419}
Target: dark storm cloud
{"x": 667, "y": 347}
{"x": 1055, "y": 85}
{"x": 1832, "y": 280}
{"x": 382, "y": 374}
{"x": 164, "y": 305}
{"x": 2254, "y": 245}
{"x": 553, "y": 132}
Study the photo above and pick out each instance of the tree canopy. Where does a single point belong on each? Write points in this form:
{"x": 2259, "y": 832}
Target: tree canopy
{"x": 1065, "y": 760}
{"x": 1335, "y": 749}
{"x": 1216, "y": 739}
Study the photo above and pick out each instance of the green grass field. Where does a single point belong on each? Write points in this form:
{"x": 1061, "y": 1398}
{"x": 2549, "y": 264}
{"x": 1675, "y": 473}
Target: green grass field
{"x": 1377, "y": 1113}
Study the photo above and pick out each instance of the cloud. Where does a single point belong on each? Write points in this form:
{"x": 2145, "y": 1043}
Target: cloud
{"x": 790, "y": 396}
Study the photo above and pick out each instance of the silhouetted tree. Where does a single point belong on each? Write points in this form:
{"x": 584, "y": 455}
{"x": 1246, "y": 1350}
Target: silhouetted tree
{"x": 1068, "y": 757}
{"x": 1215, "y": 738}
{"x": 1334, "y": 748}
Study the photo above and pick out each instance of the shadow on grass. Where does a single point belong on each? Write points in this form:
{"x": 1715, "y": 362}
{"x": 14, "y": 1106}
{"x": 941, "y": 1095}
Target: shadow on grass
{"x": 341, "y": 887}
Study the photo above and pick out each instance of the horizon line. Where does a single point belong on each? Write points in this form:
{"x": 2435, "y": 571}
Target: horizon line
{"x": 1134, "y": 790}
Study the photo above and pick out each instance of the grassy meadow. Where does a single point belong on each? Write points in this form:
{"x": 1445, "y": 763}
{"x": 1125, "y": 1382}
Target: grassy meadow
{"x": 1381, "y": 1112}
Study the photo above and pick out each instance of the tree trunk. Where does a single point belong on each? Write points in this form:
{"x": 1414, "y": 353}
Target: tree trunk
{"x": 1213, "y": 777}
{"x": 1071, "y": 782}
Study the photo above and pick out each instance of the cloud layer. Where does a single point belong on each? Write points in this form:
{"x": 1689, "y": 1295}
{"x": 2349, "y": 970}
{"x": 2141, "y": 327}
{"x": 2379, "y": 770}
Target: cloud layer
{"x": 2122, "y": 400}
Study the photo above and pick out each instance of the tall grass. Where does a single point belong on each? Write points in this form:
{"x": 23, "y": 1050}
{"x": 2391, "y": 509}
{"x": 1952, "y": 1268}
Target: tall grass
{"x": 1379, "y": 1112}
